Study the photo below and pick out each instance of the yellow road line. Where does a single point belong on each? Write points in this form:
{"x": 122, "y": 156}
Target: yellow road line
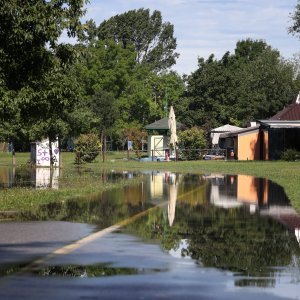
{"x": 92, "y": 237}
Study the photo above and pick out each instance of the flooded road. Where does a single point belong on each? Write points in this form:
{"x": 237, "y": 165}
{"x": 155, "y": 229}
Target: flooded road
{"x": 167, "y": 236}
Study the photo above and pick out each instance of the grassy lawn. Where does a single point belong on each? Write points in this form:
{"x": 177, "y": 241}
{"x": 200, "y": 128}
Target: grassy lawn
{"x": 287, "y": 174}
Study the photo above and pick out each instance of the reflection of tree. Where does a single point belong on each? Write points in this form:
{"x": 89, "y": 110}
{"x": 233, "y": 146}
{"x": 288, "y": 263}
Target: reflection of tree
{"x": 98, "y": 270}
{"x": 103, "y": 209}
{"x": 6, "y": 270}
{"x": 226, "y": 239}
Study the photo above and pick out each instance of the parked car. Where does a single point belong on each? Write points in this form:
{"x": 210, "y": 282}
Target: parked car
{"x": 214, "y": 155}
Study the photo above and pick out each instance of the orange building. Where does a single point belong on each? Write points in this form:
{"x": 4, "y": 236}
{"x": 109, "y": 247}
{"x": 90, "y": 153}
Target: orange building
{"x": 267, "y": 139}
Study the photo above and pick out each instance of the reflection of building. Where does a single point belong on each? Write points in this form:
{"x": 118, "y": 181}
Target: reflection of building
{"x": 223, "y": 190}
{"x": 259, "y": 194}
{"x": 252, "y": 190}
{"x": 234, "y": 190}
{"x": 45, "y": 178}
{"x": 157, "y": 185}
{"x": 7, "y": 177}
{"x": 286, "y": 216}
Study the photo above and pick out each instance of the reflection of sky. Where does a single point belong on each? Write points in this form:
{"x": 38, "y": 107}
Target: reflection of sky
{"x": 183, "y": 245}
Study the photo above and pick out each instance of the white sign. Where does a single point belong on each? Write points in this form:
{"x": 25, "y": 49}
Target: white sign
{"x": 43, "y": 154}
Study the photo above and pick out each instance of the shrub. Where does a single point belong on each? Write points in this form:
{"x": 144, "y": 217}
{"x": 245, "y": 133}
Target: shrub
{"x": 87, "y": 147}
{"x": 191, "y": 140}
{"x": 290, "y": 155}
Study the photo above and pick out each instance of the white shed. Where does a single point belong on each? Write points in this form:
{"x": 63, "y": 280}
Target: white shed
{"x": 215, "y": 133}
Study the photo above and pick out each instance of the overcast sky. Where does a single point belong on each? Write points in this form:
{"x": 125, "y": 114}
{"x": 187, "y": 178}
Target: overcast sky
{"x": 203, "y": 27}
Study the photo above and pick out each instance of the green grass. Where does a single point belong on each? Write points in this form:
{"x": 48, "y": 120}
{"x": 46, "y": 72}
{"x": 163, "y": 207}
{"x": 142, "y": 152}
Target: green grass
{"x": 287, "y": 174}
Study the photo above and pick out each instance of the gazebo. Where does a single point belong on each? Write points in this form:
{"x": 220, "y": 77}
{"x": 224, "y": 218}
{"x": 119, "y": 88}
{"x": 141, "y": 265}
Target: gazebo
{"x": 158, "y": 139}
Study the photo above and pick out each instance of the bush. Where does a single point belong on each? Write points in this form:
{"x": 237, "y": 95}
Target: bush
{"x": 87, "y": 148}
{"x": 290, "y": 155}
{"x": 191, "y": 140}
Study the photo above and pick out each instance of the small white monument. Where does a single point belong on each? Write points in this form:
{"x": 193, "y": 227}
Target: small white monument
{"x": 40, "y": 153}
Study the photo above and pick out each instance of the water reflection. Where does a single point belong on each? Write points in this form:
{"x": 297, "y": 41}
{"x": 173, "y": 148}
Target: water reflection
{"x": 230, "y": 222}
{"x": 39, "y": 178}
{"x": 235, "y": 190}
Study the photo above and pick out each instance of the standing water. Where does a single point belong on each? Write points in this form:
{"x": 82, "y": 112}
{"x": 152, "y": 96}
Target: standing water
{"x": 190, "y": 236}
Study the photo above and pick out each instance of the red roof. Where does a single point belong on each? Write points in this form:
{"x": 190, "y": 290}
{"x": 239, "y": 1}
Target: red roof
{"x": 289, "y": 113}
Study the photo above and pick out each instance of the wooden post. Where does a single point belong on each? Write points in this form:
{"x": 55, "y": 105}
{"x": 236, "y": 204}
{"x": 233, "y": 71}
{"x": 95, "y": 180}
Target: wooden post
{"x": 103, "y": 140}
{"x": 13, "y": 152}
{"x": 127, "y": 149}
{"x": 51, "y": 154}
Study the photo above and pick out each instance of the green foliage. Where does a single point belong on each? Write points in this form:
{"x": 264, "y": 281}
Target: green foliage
{"x": 295, "y": 27}
{"x": 26, "y": 28}
{"x": 87, "y": 148}
{"x": 253, "y": 83}
{"x": 37, "y": 83}
{"x": 152, "y": 39}
{"x": 290, "y": 155}
{"x": 121, "y": 93}
{"x": 137, "y": 136}
{"x": 191, "y": 140}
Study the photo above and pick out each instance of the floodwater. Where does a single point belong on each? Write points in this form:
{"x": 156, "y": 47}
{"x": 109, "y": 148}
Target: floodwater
{"x": 208, "y": 236}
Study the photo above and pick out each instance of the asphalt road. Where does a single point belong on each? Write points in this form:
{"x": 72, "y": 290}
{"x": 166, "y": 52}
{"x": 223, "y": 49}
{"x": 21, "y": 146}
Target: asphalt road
{"x": 25, "y": 241}
{"x": 154, "y": 274}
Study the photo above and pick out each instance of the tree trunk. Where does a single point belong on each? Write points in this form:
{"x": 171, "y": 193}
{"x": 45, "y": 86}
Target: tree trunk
{"x": 51, "y": 178}
{"x": 50, "y": 153}
{"x": 103, "y": 140}
{"x": 13, "y": 152}
{"x": 59, "y": 153}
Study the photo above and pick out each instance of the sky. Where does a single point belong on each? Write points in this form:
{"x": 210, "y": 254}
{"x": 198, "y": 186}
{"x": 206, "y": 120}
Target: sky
{"x": 203, "y": 27}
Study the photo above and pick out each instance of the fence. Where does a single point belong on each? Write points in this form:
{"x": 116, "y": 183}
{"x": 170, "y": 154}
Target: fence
{"x": 166, "y": 154}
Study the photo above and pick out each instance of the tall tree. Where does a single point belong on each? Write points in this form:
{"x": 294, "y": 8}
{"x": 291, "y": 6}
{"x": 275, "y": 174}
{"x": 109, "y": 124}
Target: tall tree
{"x": 106, "y": 73}
{"x": 253, "y": 83}
{"x": 152, "y": 38}
{"x": 34, "y": 66}
{"x": 295, "y": 16}
{"x": 27, "y": 30}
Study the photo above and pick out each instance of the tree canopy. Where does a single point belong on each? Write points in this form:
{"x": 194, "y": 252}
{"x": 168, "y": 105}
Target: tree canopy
{"x": 253, "y": 83}
{"x": 117, "y": 78}
{"x": 152, "y": 38}
{"x": 295, "y": 16}
{"x": 36, "y": 78}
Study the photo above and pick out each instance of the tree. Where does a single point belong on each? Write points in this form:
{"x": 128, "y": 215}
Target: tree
{"x": 152, "y": 39}
{"x": 122, "y": 93}
{"x": 253, "y": 83}
{"x": 105, "y": 73}
{"x": 34, "y": 67}
{"x": 295, "y": 28}
{"x": 190, "y": 141}
{"x": 87, "y": 148}
{"x": 46, "y": 105}
{"x": 28, "y": 29}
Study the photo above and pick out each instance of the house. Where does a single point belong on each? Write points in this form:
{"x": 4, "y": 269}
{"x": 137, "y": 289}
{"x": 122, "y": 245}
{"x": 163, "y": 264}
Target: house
{"x": 267, "y": 139}
{"x": 158, "y": 139}
{"x": 245, "y": 143}
{"x": 216, "y": 132}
